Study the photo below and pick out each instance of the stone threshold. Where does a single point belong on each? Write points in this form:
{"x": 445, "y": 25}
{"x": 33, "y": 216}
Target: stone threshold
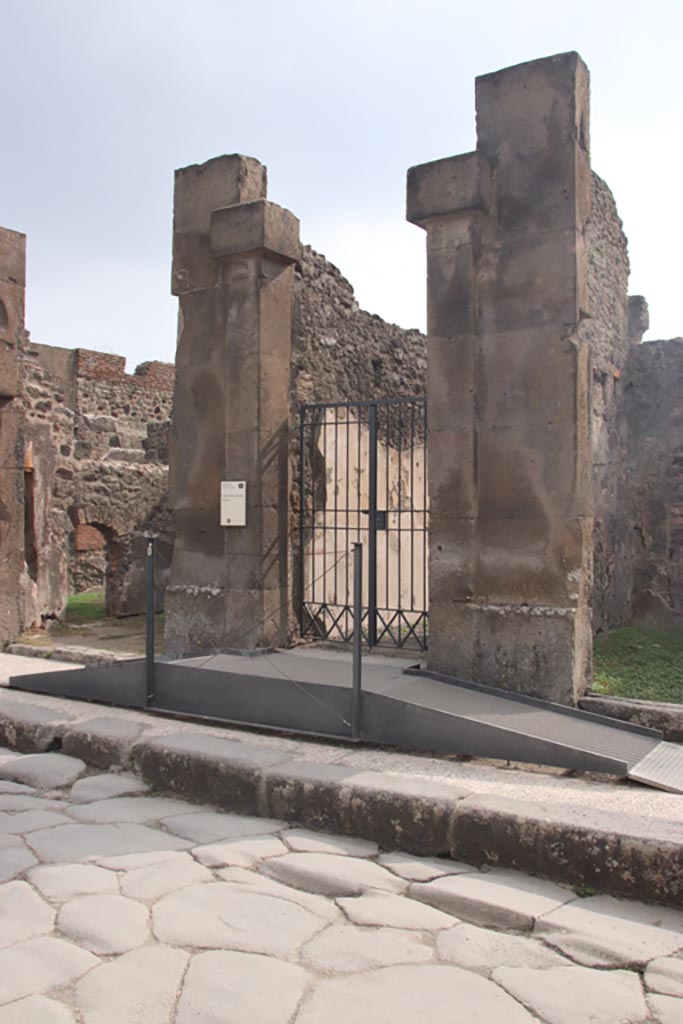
{"x": 297, "y": 782}
{"x": 668, "y": 718}
{"x": 70, "y": 653}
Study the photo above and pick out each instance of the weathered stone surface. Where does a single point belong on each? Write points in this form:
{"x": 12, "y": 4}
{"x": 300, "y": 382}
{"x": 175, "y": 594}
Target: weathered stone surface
{"x": 410, "y": 995}
{"x": 139, "y": 987}
{"x": 331, "y": 874}
{"x": 552, "y": 994}
{"x": 23, "y": 914}
{"x": 60, "y": 882}
{"x": 152, "y": 881}
{"x": 30, "y": 821}
{"x": 665, "y": 976}
{"x": 36, "y": 966}
{"x": 14, "y": 860}
{"x": 105, "y": 787}
{"x": 211, "y": 827}
{"x": 479, "y": 949}
{"x": 421, "y": 869}
{"x": 87, "y": 842}
{"x": 240, "y": 853}
{"x": 102, "y": 741}
{"x": 301, "y": 840}
{"x": 140, "y": 809}
{"x": 13, "y": 787}
{"x": 383, "y": 909}
{"x": 667, "y": 1009}
{"x": 29, "y": 728}
{"x": 132, "y": 861}
{"x": 346, "y": 949}
{"x": 44, "y": 771}
{"x": 104, "y": 924}
{"x": 14, "y": 802}
{"x": 38, "y": 1009}
{"x": 243, "y": 982}
{"x": 501, "y": 899}
{"x": 219, "y": 916}
{"x": 320, "y": 906}
{"x": 603, "y": 932}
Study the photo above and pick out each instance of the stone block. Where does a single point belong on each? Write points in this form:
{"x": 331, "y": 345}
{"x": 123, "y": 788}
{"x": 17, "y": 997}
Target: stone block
{"x": 10, "y": 384}
{"x": 104, "y": 742}
{"x": 452, "y": 382}
{"x": 537, "y": 105}
{"x": 457, "y": 184}
{"x": 452, "y": 297}
{"x": 255, "y": 227}
{"x": 29, "y": 728}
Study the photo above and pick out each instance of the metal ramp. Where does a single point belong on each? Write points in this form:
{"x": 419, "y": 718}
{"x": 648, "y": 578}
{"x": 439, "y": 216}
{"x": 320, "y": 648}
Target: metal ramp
{"x": 308, "y": 691}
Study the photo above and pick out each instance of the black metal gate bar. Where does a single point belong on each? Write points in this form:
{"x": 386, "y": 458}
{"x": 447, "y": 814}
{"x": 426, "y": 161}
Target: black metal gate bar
{"x": 359, "y": 483}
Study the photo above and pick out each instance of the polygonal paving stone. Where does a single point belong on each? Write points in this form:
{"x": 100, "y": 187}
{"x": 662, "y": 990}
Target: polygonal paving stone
{"x": 36, "y": 1010}
{"x": 105, "y": 787}
{"x": 257, "y": 990}
{"x": 383, "y": 909}
{"x": 137, "y": 988}
{"x": 411, "y": 995}
{"x": 421, "y": 869}
{"x": 502, "y": 899}
{"x": 318, "y": 905}
{"x": 222, "y": 916}
{"x": 14, "y": 860}
{"x": 104, "y": 924}
{"x": 30, "y": 821}
{"x": 23, "y": 914}
{"x": 301, "y": 840}
{"x": 576, "y": 995}
{"x": 332, "y": 874}
{"x": 13, "y": 802}
{"x": 131, "y": 861}
{"x": 87, "y": 842}
{"x": 137, "y": 809}
{"x": 345, "y": 949}
{"x": 15, "y": 787}
{"x": 44, "y": 771}
{"x": 666, "y": 1009}
{"x": 211, "y": 826}
{"x": 34, "y": 967}
{"x": 240, "y": 853}
{"x": 152, "y": 881}
{"x": 665, "y": 976}
{"x": 603, "y": 932}
{"x": 479, "y": 949}
{"x": 60, "y": 882}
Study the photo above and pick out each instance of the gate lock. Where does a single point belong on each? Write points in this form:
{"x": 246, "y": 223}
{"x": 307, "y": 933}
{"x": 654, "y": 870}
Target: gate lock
{"x": 380, "y": 518}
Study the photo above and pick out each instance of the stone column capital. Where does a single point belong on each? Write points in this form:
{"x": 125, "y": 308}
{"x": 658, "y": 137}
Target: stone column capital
{"x": 257, "y": 228}
{"x": 455, "y": 185}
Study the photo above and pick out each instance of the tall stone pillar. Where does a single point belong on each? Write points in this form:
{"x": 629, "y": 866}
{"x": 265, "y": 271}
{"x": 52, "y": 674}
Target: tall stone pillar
{"x": 509, "y": 426}
{"x": 233, "y": 255}
{"x": 12, "y": 290}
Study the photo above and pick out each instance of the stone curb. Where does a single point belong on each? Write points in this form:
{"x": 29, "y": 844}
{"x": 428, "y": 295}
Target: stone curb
{"x": 78, "y": 655}
{"x": 396, "y": 812}
{"x": 668, "y": 718}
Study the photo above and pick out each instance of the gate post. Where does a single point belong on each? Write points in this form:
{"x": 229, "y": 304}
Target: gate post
{"x": 233, "y": 256}
{"x": 509, "y": 428}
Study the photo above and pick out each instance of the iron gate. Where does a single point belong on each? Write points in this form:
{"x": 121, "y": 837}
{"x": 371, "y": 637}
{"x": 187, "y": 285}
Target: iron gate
{"x": 364, "y": 479}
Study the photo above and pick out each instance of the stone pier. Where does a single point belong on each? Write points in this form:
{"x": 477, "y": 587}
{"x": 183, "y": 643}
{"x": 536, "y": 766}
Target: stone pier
{"x": 509, "y": 438}
{"x": 233, "y": 255}
{"x": 12, "y": 513}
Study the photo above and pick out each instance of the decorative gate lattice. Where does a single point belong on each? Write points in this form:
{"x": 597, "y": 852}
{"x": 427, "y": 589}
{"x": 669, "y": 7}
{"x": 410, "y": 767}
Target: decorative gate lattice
{"x": 364, "y": 479}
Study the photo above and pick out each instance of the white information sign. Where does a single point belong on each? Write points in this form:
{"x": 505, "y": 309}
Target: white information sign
{"x": 233, "y": 503}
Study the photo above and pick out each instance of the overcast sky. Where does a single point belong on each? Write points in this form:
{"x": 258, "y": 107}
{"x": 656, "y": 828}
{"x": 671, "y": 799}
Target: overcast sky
{"x": 102, "y": 100}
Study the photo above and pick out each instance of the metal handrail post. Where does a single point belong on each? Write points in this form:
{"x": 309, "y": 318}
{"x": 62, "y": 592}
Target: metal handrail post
{"x": 356, "y": 693}
{"x": 149, "y": 623}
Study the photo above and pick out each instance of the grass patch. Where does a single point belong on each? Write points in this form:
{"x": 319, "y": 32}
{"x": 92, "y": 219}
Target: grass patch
{"x": 85, "y": 607}
{"x": 639, "y": 662}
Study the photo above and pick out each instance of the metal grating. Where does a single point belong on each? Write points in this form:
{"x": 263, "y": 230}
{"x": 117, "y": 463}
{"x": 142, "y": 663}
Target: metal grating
{"x": 662, "y": 768}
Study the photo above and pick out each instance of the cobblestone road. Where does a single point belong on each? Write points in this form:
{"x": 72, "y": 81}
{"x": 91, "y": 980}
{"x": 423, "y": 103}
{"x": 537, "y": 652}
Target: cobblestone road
{"x": 121, "y": 907}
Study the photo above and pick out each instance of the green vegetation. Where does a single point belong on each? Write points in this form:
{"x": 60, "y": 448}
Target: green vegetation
{"x": 640, "y": 662}
{"x": 85, "y": 607}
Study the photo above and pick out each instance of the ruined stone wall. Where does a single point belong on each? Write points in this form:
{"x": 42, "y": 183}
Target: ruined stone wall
{"x": 654, "y": 406}
{"x": 85, "y": 421}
